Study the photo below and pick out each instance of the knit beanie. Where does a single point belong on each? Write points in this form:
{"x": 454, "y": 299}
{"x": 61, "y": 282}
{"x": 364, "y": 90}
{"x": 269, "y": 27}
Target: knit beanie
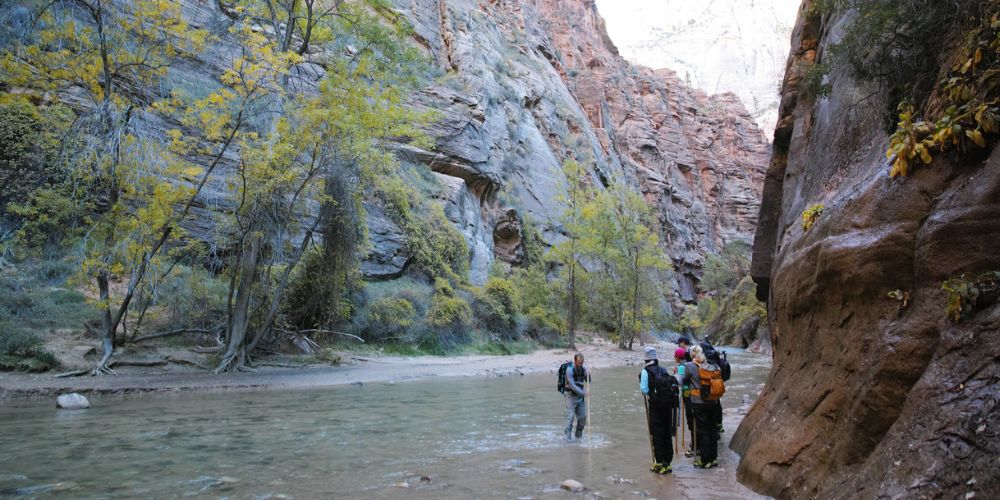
{"x": 650, "y": 352}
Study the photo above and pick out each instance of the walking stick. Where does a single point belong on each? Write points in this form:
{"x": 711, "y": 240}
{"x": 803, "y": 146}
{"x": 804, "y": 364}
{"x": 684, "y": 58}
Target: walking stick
{"x": 683, "y": 422}
{"x": 675, "y": 430}
{"x": 649, "y": 428}
{"x": 590, "y": 396}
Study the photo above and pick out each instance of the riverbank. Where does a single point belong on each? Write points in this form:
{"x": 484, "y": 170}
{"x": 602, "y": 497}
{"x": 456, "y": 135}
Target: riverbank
{"x": 354, "y": 369}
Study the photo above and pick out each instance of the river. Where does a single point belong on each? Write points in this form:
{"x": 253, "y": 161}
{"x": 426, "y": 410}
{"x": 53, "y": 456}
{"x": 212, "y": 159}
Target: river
{"x": 439, "y": 438}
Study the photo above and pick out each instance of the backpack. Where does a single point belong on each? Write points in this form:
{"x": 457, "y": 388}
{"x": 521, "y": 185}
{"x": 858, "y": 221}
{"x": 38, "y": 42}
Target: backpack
{"x": 719, "y": 358}
{"x": 561, "y": 383}
{"x": 663, "y": 388}
{"x": 711, "y": 386}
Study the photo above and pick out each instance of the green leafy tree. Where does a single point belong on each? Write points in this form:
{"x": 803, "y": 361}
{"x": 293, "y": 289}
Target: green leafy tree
{"x": 616, "y": 235}
{"x": 100, "y": 50}
{"x": 568, "y": 254}
{"x": 336, "y": 129}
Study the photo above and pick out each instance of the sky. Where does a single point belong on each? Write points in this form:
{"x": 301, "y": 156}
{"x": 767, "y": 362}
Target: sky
{"x": 738, "y": 46}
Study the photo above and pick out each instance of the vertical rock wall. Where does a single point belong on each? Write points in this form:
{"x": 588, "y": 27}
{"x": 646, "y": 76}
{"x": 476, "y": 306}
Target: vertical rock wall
{"x": 870, "y": 397}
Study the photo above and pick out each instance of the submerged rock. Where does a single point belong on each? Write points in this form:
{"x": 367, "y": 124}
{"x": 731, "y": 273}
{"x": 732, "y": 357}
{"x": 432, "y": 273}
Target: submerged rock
{"x": 572, "y": 485}
{"x": 73, "y": 401}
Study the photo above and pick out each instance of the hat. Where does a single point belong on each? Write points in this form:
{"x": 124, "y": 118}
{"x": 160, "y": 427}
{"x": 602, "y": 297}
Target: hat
{"x": 680, "y": 353}
{"x": 650, "y": 352}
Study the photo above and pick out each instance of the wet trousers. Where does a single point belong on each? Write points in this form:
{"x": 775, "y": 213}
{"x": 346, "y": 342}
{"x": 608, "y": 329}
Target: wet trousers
{"x": 576, "y": 407}
{"x": 661, "y": 429}
{"x": 706, "y": 430}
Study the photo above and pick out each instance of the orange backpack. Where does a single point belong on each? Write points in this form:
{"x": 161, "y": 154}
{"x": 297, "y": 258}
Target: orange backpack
{"x": 712, "y": 387}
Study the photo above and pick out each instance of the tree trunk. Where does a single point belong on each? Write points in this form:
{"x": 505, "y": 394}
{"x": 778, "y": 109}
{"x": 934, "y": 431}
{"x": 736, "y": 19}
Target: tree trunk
{"x": 236, "y": 356}
{"x": 108, "y": 326}
{"x": 572, "y": 305}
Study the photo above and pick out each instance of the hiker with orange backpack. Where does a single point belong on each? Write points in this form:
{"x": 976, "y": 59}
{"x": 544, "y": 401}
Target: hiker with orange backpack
{"x": 704, "y": 379}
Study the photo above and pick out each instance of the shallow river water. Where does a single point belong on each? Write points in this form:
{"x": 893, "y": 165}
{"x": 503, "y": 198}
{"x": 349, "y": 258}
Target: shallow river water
{"x": 440, "y": 438}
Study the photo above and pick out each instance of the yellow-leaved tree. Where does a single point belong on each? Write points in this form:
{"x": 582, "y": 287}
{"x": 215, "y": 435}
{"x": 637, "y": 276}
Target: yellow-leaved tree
{"x": 106, "y": 59}
{"x": 323, "y": 124}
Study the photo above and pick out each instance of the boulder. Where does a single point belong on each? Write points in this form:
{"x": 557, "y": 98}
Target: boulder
{"x": 72, "y": 401}
{"x": 572, "y": 485}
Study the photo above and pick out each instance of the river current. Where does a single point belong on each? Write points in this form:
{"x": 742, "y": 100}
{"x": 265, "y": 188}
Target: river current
{"x": 438, "y": 438}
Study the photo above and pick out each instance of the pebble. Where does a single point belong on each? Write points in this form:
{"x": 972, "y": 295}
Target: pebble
{"x": 401, "y": 484}
{"x": 572, "y": 485}
{"x": 73, "y": 401}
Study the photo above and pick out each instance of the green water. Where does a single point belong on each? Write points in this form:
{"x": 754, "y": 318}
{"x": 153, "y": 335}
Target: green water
{"x": 472, "y": 437}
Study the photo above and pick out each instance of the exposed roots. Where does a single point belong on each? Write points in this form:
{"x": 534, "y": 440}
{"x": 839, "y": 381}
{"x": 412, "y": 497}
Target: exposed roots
{"x": 238, "y": 361}
{"x": 102, "y": 368}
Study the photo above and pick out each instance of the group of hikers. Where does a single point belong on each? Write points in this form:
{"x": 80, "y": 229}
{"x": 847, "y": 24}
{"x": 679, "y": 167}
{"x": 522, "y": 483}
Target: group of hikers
{"x": 686, "y": 396}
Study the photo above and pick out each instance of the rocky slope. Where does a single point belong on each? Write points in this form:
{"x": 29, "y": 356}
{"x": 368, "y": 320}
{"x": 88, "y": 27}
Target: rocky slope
{"x": 531, "y": 83}
{"x": 523, "y": 86}
{"x": 870, "y": 397}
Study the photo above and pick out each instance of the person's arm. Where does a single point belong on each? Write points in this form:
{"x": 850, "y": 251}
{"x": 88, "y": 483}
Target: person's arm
{"x": 644, "y": 381}
{"x": 680, "y": 374}
{"x": 571, "y": 382}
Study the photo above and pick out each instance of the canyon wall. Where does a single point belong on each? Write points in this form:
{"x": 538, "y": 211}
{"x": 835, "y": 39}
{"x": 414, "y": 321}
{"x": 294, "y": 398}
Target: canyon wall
{"x": 530, "y": 83}
{"x": 871, "y": 396}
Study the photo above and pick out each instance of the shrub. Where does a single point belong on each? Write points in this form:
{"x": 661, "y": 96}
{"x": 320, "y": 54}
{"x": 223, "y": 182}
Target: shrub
{"x": 810, "y": 215}
{"x": 496, "y": 307}
{"x": 389, "y": 319}
{"x": 20, "y": 350}
{"x": 448, "y": 320}
{"x": 543, "y": 325}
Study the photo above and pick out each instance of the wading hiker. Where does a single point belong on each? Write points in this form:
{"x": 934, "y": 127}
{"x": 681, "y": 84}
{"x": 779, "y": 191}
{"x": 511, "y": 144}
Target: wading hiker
{"x": 659, "y": 390}
{"x": 682, "y": 356}
{"x": 571, "y": 379}
{"x": 717, "y": 358}
{"x": 704, "y": 379}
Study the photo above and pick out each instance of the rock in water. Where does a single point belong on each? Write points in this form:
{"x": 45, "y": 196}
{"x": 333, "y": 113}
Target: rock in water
{"x": 73, "y": 401}
{"x": 572, "y": 485}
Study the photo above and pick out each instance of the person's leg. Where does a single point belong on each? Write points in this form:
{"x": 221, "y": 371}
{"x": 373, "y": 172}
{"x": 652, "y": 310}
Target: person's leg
{"x": 662, "y": 447}
{"x": 689, "y": 419}
{"x": 718, "y": 416}
{"x": 581, "y": 417}
{"x": 704, "y": 425}
{"x": 570, "y": 413}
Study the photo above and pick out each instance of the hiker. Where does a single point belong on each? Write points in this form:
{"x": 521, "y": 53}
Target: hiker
{"x": 685, "y": 343}
{"x": 705, "y": 382}
{"x": 576, "y": 397}
{"x": 659, "y": 388}
{"x": 713, "y": 356}
{"x": 681, "y": 357}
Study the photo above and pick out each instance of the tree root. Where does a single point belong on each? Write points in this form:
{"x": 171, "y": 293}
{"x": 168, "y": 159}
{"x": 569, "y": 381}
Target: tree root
{"x": 102, "y": 368}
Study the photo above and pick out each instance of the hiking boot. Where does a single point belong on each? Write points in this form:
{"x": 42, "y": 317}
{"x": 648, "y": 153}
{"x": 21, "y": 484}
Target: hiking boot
{"x": 579, "y": 435}
{"x": 689, "y": 453}
{"x": 721, "y": 430}
{"x": 713, "y": 463}
{"x": 654, "y": 467}
{"x": 664, "y": 469}
{"x": 699, "y": 464}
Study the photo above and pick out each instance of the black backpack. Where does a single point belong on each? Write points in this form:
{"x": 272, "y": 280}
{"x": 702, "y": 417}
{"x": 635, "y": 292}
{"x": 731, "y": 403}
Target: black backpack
{"x": 718, "y": 358}
{"x": 663, "y": 388}
{"x": 561, "y": 384}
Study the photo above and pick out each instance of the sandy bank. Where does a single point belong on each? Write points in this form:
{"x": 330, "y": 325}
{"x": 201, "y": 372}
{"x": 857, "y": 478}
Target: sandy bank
{"x": 356, "y": 369}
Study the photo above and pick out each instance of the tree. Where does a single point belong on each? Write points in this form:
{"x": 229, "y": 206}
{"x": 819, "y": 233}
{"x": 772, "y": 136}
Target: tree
{"x": 104, "y": 51}
{"x": 616, "y": 236}
{"x": 332, "y": 128}
{"x": 568, "y": 253}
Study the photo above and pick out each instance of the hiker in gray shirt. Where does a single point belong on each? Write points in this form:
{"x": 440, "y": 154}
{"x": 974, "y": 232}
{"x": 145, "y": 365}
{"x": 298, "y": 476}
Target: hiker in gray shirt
{"x": 576, "y": 404}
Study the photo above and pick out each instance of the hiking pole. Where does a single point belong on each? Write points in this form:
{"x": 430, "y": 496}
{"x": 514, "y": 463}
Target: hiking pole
{"x": 675, "y": 429}
{"x": 649, "y": 428}
{"x": 683, "y": 422}
{"x": 590, "y": 423}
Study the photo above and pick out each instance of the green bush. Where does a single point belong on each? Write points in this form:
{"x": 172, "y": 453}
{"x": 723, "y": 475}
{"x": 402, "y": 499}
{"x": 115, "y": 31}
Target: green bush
{"x": 20, "y": 350}
{"x": 496, "y": 307}
{"x": 448, "y": 320}
{"x": 32, "y": 297}
{"x": 389, "y": 319}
